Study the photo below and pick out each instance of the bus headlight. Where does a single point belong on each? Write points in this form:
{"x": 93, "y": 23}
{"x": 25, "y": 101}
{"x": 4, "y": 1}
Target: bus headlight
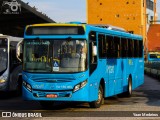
{"x": 4, "y": 77}
{"x": 27, "y": 86}
{"x": 2, "y": 80}
{"x": 79, "y": 86}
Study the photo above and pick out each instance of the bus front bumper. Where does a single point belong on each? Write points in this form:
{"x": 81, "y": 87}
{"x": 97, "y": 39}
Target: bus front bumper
{"x": 3, "y": 87}
{"x": 57, "y": 95}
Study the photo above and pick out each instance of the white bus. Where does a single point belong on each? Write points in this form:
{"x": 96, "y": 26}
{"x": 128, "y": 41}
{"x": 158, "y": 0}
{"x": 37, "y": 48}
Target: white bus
{"x": 10, "y": 66}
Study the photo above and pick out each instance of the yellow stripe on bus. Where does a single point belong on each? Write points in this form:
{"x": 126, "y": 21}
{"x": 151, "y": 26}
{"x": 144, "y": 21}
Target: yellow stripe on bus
{"x": 56, "y": 24}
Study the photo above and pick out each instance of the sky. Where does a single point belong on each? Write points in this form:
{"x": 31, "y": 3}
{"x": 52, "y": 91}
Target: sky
{"x": 61, "y": 10}
{"x": 66, "y": 10}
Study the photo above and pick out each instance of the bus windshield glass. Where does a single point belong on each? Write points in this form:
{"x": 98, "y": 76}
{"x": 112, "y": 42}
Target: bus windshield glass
{"x": 69, "y": 55}
{"x": 154, "y": 55}
{"x": 3, "y": 55}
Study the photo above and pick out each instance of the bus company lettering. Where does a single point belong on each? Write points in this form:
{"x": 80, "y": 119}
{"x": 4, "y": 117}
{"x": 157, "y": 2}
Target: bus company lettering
{"x": 38, "y": 86}
{"x": 39, "y": 43}
{"x": 64, "y": 87}
{"x": 111, "y": 69}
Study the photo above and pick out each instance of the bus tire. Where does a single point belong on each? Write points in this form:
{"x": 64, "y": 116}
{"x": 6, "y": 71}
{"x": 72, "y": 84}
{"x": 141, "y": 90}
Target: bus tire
{"x": 129, "y": 88}
{"x": 128, "y": 93}
{"x": 46, "y": 104}
{"x": 18, "y": 91}
{"x": 98, "y": 103}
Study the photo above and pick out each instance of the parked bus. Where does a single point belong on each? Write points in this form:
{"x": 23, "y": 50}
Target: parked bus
{"x": 10, "y": 67}
{"x": 80, "y": 62}
{"x": 153, "y": 56}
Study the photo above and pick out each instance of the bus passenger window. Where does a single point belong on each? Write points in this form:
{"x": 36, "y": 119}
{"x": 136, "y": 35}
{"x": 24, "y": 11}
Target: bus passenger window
{"x": 130, "y": 48}
{"x": 92, "y": 36}
{"x": 117, "y": 47}
{"x": 110, "y": 47}
{"x": 93, "y": 42}
{"x": 136, "y": 48}
{"x": 140, "y": 49}
{"x": 102, "y": 46}
{"x": 124, "y": 45}
{"x": 92, "y": 58}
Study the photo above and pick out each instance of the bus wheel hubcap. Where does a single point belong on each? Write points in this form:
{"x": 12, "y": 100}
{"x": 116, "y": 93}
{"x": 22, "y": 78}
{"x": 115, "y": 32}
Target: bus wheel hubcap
{"x": 130, "y": 87}
{"x": 99, "y": 96}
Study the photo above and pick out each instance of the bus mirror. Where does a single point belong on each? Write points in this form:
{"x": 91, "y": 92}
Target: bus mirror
{"x": 19, "y": 51}
{"x": 94, "y": 51}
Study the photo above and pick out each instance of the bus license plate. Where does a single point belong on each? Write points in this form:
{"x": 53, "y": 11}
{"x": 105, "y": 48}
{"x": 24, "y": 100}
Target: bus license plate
{"x": 51, "y": 95}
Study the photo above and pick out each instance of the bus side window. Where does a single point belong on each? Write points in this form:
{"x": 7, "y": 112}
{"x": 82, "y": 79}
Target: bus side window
{"x": 130, "y": 48}
{"x": 110, "y": 48}
{"x": 92, "y": 58}
{"x": 92, "y": 42}
{"x": 124, "y": 47}
{"x": 102, "y": 46}
{"x": 117, "y": 43}
{"x": 136, "y": 48}
{"x": 140, "y": 49}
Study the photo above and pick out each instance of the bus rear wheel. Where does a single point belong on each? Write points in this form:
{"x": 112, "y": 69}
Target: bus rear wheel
{"x": 98, "y": 103}
{"x": 46, "y": 104}
{"x": 128, "y": 93}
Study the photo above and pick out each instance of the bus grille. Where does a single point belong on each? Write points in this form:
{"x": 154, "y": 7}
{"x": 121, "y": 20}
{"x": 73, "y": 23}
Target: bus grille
{"x": 60, "y": 94}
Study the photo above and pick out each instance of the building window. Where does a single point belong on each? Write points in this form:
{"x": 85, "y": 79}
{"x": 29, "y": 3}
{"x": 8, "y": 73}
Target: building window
{"x": 150, "y": 4}
{"x": 151, "y": 18}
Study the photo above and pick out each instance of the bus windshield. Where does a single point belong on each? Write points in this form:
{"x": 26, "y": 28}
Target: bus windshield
{"x": 68, "y": 55}
{"x": 154, "y": 55}
{"x": 3, "y": 55}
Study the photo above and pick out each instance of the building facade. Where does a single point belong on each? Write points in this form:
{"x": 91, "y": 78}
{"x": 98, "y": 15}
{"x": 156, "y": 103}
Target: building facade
{"x": 151, "y": 12}
{"x": 132, "y": 15}
{"x": 153, "y": 38}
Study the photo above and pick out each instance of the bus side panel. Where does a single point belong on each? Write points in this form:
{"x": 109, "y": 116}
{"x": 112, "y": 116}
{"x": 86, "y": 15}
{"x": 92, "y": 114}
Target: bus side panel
{"x": 130, "y": 66}
{"x": 135, "y": 69}
{"x": 125, "y": 75}
{"x": 101, "y": 73}
{"x": 94, "y": 84}
{"x": 140, "y": 72}
{"x": 119, "y": 67}
{"x": 134, "y": 73}
{"x": 111, "y": 63}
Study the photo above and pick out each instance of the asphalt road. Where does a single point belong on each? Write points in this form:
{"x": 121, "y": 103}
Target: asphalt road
{"x": 146, "y": 98}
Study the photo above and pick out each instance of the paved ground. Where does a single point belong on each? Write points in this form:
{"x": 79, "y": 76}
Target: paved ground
{"x": 145, "y": 99}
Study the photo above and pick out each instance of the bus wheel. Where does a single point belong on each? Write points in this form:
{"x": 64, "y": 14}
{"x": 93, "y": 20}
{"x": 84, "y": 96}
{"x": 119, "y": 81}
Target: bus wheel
{"x": 18, "y": 90}
{"x": 98, "y": 103}
{"x": 129, "y": 89}
{"x": 46, "y": 104}
{"x": 128, "y": 93}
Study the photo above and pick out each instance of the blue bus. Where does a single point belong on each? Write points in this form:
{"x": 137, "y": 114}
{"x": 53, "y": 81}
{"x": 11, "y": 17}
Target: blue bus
{"x": 153, "y": 56}
{"x": 80, "y": 62}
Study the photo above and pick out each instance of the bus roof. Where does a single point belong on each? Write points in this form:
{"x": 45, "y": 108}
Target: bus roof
{"x": 109, "y": 29}
{"x": 54, "y": 24}
{"x": 11, "y": 38}
{"x": 115, "y": 31}
{"x": 153, "y": 52}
